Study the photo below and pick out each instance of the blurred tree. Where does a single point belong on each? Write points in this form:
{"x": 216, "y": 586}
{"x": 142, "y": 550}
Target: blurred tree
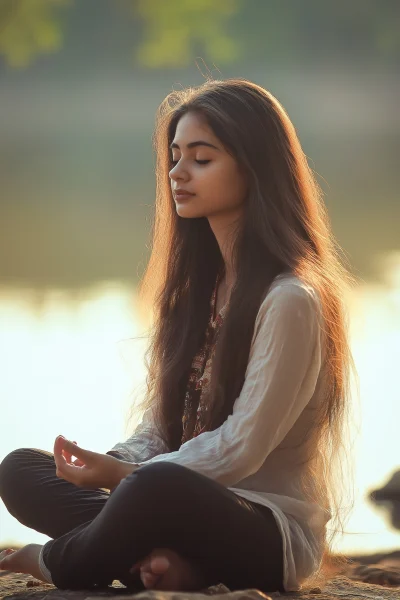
{"x": 28, "y": 28}
{"x": 175, "y": 30}
{"x": 170, "y": 33}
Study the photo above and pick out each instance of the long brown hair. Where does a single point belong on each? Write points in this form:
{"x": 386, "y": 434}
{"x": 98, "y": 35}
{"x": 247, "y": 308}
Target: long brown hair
{"x": 285, "y": 228}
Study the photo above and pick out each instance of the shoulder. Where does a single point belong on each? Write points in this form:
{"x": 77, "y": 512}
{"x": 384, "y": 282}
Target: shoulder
{"x": 290, "y": 316}
{"x": 289, "y": 295}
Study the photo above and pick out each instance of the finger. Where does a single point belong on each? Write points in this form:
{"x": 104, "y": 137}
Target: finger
{"x": 68, "y": 455}
{"x": 64, "y": 466}
{"x": 63, "y": 446}
{"x": 68, "y": 471}
{"x": 78, "y": 462}
{"x": 71, "y": 454}
{"x": 76, "y": 450}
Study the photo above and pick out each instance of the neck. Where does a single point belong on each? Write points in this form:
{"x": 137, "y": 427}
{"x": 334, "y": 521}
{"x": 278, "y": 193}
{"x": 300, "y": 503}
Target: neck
{"x": 225, "y": 228}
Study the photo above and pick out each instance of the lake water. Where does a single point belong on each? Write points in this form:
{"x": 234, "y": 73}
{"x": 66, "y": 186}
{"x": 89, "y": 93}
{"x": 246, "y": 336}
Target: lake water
{"x": 69, "y": 367}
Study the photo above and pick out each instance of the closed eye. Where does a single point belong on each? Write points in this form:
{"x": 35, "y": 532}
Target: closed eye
{"x": 200, "y": 162}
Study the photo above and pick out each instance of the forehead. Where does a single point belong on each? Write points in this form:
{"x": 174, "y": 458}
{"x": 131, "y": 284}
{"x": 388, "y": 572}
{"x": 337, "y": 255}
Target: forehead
{"x": 190, "y": 127}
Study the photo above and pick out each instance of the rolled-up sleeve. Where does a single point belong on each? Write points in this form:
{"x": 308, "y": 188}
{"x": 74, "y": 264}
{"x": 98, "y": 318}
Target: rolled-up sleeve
{"x": 143, "y": 444}
{"x": 280, "y": 379}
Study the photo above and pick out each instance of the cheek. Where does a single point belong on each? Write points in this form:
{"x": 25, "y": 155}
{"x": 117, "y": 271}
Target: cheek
{"x": 225, "y": 187}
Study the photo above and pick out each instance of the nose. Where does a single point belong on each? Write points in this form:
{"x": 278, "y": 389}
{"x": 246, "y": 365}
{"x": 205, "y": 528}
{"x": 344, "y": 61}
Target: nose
{"x": 177, "y": 173}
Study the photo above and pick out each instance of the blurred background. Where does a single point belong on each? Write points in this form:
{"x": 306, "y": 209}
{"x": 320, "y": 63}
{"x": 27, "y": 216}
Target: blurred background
{"x": 80, "y": 82}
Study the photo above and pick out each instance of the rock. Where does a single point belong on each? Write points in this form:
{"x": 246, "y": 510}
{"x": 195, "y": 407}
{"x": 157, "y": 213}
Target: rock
{"x": 388, "y": 558}
{"x": 390, "y": 491}
{"x": 378, "y": 574}
{"x": 388, "y": 497}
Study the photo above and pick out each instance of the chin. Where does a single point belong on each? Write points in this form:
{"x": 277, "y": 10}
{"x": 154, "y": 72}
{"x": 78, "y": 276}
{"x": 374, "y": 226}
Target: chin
{"x": 188, "y": 212}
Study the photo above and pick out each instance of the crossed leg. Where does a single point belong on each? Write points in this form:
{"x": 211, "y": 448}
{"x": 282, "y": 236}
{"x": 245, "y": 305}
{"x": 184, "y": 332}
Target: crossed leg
{"x": 185, "y": 529}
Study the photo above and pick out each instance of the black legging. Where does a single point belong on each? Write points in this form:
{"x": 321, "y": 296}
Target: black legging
{"x": 98, "y": 536}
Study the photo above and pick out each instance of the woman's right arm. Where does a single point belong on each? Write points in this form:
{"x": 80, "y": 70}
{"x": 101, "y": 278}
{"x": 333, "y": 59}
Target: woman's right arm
{"x": 143, "y": 444}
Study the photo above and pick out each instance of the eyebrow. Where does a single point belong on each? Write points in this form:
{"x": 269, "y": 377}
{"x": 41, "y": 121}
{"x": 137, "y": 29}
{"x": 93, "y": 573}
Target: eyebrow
{"x": 194, "y": 144}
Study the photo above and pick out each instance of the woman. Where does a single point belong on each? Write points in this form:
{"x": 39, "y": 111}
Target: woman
{"x": 230, "y": 476}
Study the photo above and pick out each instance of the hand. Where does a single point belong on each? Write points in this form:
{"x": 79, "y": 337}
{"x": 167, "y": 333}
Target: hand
{"x": 68, "y": 458}
{"x": 94, "y": 471}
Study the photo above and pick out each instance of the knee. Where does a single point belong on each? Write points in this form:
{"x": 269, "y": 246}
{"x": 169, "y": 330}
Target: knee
{"x": 162, "y": 470}
{"x": 10, "y": 469}
{"x": 155, "y": 488}
{"x": 160, "y": 478}
{"x": 8, "y": 463}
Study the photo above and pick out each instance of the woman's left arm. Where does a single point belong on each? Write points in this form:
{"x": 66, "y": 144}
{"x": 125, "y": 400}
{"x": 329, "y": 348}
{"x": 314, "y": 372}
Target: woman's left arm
{"x": 281, "y": 376}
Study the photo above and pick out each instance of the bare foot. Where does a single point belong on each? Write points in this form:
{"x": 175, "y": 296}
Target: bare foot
{"x": 3, "y": 554}
{"x": 164, "y": 569}
{"x": 25, "y": 560}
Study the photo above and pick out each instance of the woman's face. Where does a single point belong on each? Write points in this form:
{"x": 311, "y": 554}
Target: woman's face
{"x": 206, "y": 170}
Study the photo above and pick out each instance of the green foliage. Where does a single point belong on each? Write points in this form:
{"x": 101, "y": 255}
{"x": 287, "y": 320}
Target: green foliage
{"x": 172, "y": 33}
{"x": 175, "y": 29}
{"x": 28, "y": 28}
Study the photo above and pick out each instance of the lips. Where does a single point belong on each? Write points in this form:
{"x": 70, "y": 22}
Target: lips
{"x": 183, "y": 195}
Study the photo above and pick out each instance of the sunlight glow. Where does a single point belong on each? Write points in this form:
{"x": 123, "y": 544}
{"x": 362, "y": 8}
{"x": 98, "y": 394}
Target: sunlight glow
{"x": 69, "y": 367}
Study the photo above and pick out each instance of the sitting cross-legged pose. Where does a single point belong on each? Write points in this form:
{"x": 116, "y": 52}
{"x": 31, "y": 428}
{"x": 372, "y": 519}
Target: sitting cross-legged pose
{"x": 230, "y": 475}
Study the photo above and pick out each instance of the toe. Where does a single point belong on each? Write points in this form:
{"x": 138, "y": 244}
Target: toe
{"x": 154, "y": 568}
{"x": 149, "y": 579}
{"x": 160, "y": 564}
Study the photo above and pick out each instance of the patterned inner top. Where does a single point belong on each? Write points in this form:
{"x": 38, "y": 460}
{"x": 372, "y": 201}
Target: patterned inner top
{"x": 200, "y": 375}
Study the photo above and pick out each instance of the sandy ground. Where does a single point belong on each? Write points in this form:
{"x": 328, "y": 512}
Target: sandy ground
{"x": 367, "y": 577}
{"x": 13, "y": 586}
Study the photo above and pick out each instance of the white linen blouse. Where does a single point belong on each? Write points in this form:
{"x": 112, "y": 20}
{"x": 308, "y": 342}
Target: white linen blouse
{"x": 260, "y": 452}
